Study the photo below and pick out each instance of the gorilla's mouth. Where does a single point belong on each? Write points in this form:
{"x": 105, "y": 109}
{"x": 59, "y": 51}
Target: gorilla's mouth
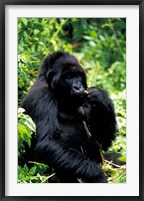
{"x": 78, "y": 98}
{"x": 79, "y": 94}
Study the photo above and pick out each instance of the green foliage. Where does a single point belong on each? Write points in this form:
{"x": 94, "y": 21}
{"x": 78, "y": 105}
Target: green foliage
{"x": 116, "y": 174}
{"x": 35, "y": 174}
{"x": 100, "y": 46}
{"x": 26, "y": 128}
{"x": 26, "y": 72}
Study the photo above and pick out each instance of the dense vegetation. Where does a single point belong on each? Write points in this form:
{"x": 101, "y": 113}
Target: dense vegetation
{"x": 100, "y": 46}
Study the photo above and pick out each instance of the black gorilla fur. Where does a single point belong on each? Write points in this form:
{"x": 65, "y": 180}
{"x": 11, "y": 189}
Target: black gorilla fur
{"x": 73, "y": 122}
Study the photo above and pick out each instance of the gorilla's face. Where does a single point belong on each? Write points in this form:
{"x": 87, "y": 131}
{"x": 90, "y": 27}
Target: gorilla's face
{"x": 67, "y": 80}
{"x": 73, "y": 82}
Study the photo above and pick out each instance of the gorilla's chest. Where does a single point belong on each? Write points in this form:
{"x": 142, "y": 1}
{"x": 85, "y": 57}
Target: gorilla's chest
{"x": 73, "y": 133}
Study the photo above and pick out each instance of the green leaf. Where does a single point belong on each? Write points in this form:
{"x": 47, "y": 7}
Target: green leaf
{"x": 24, "y": 133}
{"x": 36, "y": 31}
{"x": 122, "y": 159}
{"x": 25, "y": 21}
{"x": 33, "y": 170}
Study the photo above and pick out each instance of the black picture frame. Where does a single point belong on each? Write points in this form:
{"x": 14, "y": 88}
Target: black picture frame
{"x": 3, "y": 3}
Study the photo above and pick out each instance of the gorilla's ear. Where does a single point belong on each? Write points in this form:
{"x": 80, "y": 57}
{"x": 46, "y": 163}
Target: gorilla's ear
{"x": 49, "y": 62}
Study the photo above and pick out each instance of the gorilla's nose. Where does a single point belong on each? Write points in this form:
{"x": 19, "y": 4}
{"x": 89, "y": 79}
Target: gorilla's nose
{"x": 78, "y": 88}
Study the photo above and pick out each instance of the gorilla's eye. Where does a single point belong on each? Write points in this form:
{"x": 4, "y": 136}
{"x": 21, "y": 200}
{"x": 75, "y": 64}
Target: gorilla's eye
{"x": 69, "y": 76}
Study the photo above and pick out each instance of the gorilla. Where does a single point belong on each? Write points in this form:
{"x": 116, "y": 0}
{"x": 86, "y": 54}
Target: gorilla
{"x": 74, "y": 122}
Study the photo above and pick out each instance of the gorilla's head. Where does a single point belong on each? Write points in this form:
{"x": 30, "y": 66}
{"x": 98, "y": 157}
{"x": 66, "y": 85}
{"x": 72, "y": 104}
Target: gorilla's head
{"x": 65, "y": 77}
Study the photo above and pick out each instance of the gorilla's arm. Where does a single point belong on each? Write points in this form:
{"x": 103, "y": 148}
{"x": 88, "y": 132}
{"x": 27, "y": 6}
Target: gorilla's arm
{"x": 65, "y": 159}
{"x": 102, "y": 119}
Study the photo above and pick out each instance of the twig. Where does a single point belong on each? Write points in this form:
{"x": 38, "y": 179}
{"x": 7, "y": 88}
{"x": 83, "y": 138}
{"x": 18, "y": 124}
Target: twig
{"x": 110, "y": 162}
